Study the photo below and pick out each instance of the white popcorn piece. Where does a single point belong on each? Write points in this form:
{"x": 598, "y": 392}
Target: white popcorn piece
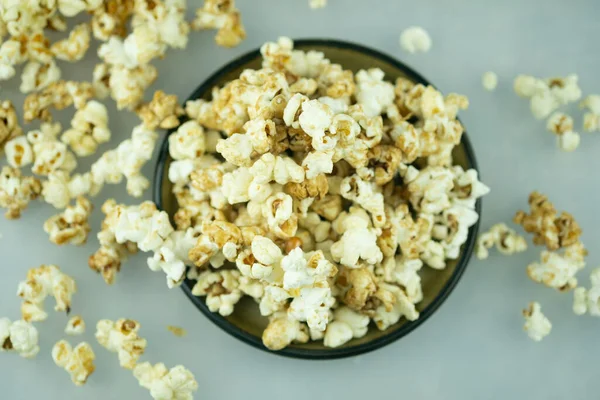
{"x": 143, "y": 225}
{"x": 49, "y": 154}
{"x": 221, "y": 290}
{"x": 536, "y": 325}
{"x": 37, "y": 76}
{"x": 224, "y": 16}
{"x": 358, "y": 242}
{"x": 121, "y": 337}
{"x": 364, "y": 194}
{"x": 282, "y": 331}
{"x": 506, "y": 240}
{"x": 176, "y": 383}
{"x": 78, "y": 361}
{"x": 306, "y": 270}
{"x": 568, "y": 141}
{"x": 314, "y": 4}
{"x": 588, "y": 300}
{"x": 403, "y": 307}
{"x": 265, "y": 251}
{"x": 165, "y": 260}
{"x": 188, "y": 142}
{"x": 313, "y": 306}
{"x": 372, "y": 92}
{"x": 20, "y": 336}
{"x": 47, "y": 280}
{"x": 75, "y": 46}
{"x": 318, "y": 162}
{"x": 18, "y": 152}
{"x": 580, "y": 300}
{"x": 405, "y": 272}
{"x": 549, "y": 94}
{"x": 236, "y": 149}
{"x": 274, "y": 299}
{"x": 557, "y": 270}
{"x": 89, "y": 128}
{"x": 415, "y": 40}
{"x": 489, "y": 80}
{"x": 75, "y": 326}
{"x": 346, "y": 325}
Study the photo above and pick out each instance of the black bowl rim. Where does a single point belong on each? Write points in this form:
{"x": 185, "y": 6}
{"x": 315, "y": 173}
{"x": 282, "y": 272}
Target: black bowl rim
{"x": 297, "y": 352}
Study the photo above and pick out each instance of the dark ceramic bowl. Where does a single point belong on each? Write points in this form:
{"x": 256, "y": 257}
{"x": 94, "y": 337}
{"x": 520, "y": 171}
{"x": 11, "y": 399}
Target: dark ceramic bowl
{"x": 246, "y": 323}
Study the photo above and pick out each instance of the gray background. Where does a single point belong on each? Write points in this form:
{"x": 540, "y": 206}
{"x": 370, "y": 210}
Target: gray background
{"x": 474, "y": 346}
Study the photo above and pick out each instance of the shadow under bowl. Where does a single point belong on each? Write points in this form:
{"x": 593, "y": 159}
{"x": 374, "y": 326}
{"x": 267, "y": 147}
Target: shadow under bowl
{"x": 246, "y": 323}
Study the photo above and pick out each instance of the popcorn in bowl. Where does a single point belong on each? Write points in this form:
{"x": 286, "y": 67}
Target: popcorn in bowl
{"x": 322, "y": 204}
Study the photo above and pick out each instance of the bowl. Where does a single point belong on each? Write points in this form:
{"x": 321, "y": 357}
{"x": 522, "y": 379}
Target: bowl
{"x": 246, "y": 323}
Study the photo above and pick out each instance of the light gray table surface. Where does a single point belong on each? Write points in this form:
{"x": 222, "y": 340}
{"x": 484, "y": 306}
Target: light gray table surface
{"x": 474, "y": 346}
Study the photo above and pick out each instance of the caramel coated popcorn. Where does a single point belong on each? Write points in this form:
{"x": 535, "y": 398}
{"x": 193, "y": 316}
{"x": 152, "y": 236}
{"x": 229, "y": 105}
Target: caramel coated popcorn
{"x": 166, "y": 384}
{"x": 223, "y": 16}
{"x": 506, "y": 241}
{"x": 289, "y": 177}
{"x": 16, "y": 191}
{"x": 71, "y": 226}
{"x": 122, "y": 337}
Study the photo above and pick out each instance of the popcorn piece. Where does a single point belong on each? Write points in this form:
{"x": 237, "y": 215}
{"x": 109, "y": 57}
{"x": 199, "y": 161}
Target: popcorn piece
{"x": 306, "y": 270}
{"x": 549, "y": 228}
{"x": 562, "y": 125}
{"x": 314, "y": 4}
{"x": 20, "y": 336}
{"x": 358, "y": 242}
{"x": 75, "y": 326}
{"x": 70, "y": 8}
{"x": 223, "y": 16}
{"x": 162, "y": 112}
{"x": 549, "y": 94}
{"x": 47, "y": 280}
{"x": 50, "y": 155}
{"x": 18, "y": 152}
{"x": 78, "y": 361}
{"x": 71, "y": 226}
{"x": 122, "y": 337}
{"x": 364, "y": 194}
{"x": 221, "y": 290}
{"x": 110, "y": 19}
{"x": 58, "y": 95}
{"x": 580, "y": 299}
{"x": 37, "y": 76}
{"x": 489, "y": 80}
{"x": 506, "y": 240}
{"x": 372, "y": 92}
{"x": 89, "y": 128}
{"x": 347, "y": 324}
{"x": 75, "y": 46}
{"x": 415, "y": 40}
{"x": 536, "y": 325}
{"x": 558, "y": 270}
{"x": 165, "y": 259}
{"x": 9, "y": 123}
{"x": 591, "y": 119}
{"x": 16, "y": 191}
{"x": 402, "y": 307}
{"x": 125, "y": 85}
{"x": 568, "y": 141}
{"x": 163, "y": 384}
{"x": 585, "y": 300}
{"x": 282, "y": 331}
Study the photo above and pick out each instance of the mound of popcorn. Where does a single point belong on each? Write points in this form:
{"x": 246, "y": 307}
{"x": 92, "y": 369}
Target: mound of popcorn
{"x": 20, "y": 336}
{"x": 41, "y": 282}
{"x": 121, "y": 337}
{"x": 78, "y": 361}
{"x": 318, "y": 192}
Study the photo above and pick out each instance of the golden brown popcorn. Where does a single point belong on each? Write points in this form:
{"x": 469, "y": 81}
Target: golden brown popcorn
{"x": 384, "y": 161}
{"x": 162, "y": 112}
{"x": 329, "y": 207}
{"x": 9, "y": 123}
{"x": 16, "y": 191}
{"x": 71, "y": 226}
{"x": 283, "y": 330}
{"x": 548, "y": 227}
{"x": 315, "y": 188}
{"x": 336, "y": 82}
{"x": 75, "y": 46}
{"x": 111, "y": 18}
{"x": 122, "y": 337}
{"x": 224, "y": 16}
{"x": 78, "y": 361}
{"x": 58, "y": 95}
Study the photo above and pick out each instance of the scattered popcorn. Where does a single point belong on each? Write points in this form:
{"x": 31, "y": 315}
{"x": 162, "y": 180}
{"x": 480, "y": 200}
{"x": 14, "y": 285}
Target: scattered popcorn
{"x": 75, "y": 46}
{"x": 89, "y": 128}
{"x": 537, "y": 325}
{"x": 489, "y": 80}
{"x": 557, "y": 270}
{"x": 223, "y": 16}
{"x": 415, "y": 40}
{"x": 47, "y": 280}
{"x": 16, "y": 191}
{"x": 506, "y": 240}
{"x": 75, "y": 326}
{"x": 122, "y": 337}
{"x": 177, "y": 330}
{"x": 547, "y": 95}
{"x": 58, "y": 95}
{"x": 176, "y": 383}
{"x": 20, "y": 336}
{"x": 78, "y": 361}
{"x": 71, "y": 226}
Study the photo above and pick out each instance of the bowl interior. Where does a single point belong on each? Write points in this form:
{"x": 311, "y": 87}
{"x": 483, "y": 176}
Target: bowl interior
{"x": 246, "y": 322}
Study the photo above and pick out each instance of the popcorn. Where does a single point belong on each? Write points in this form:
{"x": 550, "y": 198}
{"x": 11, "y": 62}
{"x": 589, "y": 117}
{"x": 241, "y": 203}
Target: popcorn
{"x": 177, "y": 330}
{"x": 372, "y": 92}
{"x": 568, "y": 141}
{"x": 314, "y": 4}
{"x": 75, "y": 46}
{"x": 536, "y": 325}
{"x": 163, "y": 384}
{"x": 75, "y": 326}
{"x": 549, "y": 228}
{"x": 588, "y": 300}
{"x": 223, "y": 16}
{"x": 9, "y": 123}
{"x": 89, "y": 128}
{"x": 549, "y": 94}
{"x": 47, "y": 280}
{"x": 165, "y": 259}
{"x": 346, "y": 324}
{"x": 58, "y": 95}
{"x": 282, "y": 331}
{"x": 37, "y": 76}
{"x": 405, "y": 272}
{"x": 358, "y": 242}
{"x": 71, "y": 226}
{"x": 20, "y": 336}
{"x": 591, "y": 119}
{"x": 221, "y": 290}
{"x": 506, "y": 240}
{"x": 402, "y": 307}
{"x": 489, "y": 80}
{"x": 125, "y": 85}
{"x": 18, "y": 152}
{"x": 562, "y": 125}
{"x": 580, "y": 301}
{"x": 50, "y": 155}
{"x": 557, "y": 270}
{"x": 16, "y": 191}
{"x": 122, "y": 337}
{"x": 78, "y": 361}
{"x": 162, "y": 112}
{"x": 415, "y": 40}
{"x": 70, "y": 8}
{"x": 364, "y": 194}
